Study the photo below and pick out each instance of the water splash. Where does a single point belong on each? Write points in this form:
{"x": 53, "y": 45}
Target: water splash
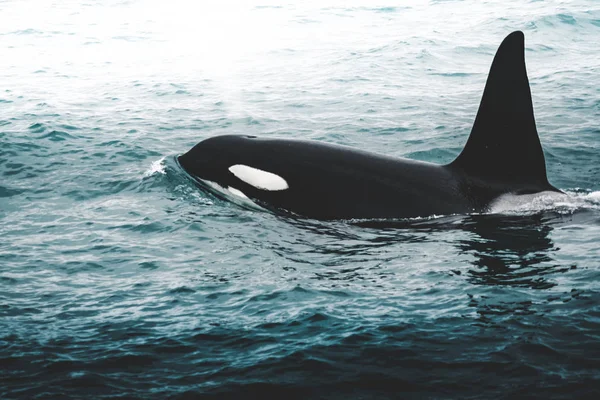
{"x": 563, "y": 203}
{"x": 157, "y": 167}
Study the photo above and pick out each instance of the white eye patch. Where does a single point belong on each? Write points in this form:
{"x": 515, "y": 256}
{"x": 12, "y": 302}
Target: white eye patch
{"x": 258, "y": 178}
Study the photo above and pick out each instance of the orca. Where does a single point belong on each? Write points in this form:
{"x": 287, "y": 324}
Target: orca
{"x": 503, "y": 155}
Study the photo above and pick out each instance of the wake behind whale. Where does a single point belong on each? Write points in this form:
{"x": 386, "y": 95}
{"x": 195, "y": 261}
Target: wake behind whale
{"x": 502, "y": 156}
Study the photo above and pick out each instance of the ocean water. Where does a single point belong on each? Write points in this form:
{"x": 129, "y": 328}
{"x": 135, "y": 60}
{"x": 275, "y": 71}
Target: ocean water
{"x": 121, "y": 278}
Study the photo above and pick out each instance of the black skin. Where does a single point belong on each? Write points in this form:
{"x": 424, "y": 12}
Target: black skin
{"x": 337, "y": 182}
{"x": 503, "y": 155}
{"x": 331, "y": 182}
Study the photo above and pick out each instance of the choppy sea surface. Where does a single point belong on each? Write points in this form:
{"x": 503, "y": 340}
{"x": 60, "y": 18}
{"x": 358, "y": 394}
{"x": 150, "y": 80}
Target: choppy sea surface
{"x": 121, "y": 278}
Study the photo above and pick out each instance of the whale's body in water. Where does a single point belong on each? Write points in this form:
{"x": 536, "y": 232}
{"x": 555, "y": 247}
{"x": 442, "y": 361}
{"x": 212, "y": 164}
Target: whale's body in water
{"x": 503, "y": 155}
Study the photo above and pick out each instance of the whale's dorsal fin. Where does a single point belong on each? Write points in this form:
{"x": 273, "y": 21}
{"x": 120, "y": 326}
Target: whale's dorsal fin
{"x": 504, "y": 145}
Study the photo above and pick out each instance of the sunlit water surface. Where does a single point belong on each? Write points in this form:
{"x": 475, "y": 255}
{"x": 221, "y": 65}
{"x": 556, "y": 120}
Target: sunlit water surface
{"x": 119, "y": 277}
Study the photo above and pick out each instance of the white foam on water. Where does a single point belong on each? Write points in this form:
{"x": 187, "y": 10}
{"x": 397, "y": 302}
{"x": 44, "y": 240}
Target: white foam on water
{"x": 567, "y": 202}
{"x": 157, "y": 167}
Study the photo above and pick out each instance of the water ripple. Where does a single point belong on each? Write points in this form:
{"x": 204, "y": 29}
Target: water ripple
{"x": 123, "y": 277}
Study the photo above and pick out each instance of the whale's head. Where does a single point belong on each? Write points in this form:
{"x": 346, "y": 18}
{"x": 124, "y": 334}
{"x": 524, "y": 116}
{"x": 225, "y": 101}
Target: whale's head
{"x": 211, "y": 158}
{"x": 233, "y": 162}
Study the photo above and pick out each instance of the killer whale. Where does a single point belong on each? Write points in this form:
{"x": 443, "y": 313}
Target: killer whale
{"x": 503, "y": 155}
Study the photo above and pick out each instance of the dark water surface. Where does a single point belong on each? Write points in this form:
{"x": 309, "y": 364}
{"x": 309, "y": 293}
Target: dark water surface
{"x": 121, "y": 278}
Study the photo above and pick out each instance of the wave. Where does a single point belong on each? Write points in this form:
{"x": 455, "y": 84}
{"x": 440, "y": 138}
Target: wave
{"x": 562, "y": 203}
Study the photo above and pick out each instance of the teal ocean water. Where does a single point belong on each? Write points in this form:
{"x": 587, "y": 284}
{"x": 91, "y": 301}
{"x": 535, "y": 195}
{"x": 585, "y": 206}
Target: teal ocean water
{"x": 121, "y": 278}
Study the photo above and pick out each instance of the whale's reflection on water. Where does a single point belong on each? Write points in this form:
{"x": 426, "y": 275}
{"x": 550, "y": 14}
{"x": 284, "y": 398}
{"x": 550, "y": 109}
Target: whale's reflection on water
{"x": 511, "y": 250}
{"x": 503, "y": 249}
